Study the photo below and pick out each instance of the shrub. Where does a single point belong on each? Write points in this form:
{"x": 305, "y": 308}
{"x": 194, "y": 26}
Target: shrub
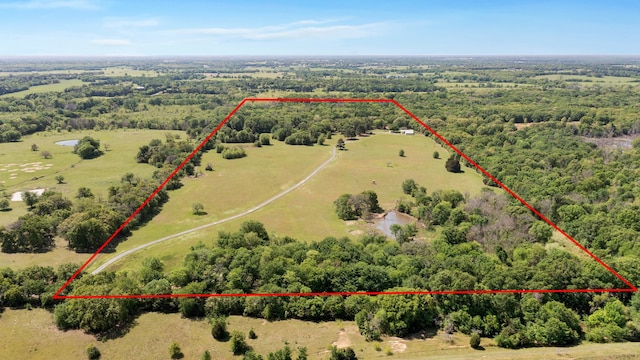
{"x": 453, "y": 164}
{"x": 257, "y": 143}
{"x": 401, "y": 153}
{"x": 219, "y": 148}
{"x": 209, "y": 167}
{"x": 174, "y": 351}
{"x": 206, "y": 355}
{"x": 250, "y": 355}
{"x": 4, "y": 204}
{"x": 92, "y": 352}
{"x": 607, "y": 333}
{"x": 302, "y": 353}
{"x": 265, "y": 139}
{"x": 281, "y": 354}
{"x": 252, "y": 334}
{"x": 197, "y": 208}
{"x": 475, "y": 340}
{"x": 238, "y": 343}
{"x": 219, "y": 328}
{"x": 409, "y": 186}
{"x": 60, "y": 179}
{"x": 233, "y": 153}
{"x": 88, "y": 148}
{"x": 436, "y": 155}
{"x": 280, "y": 134}
{"x": 299, "y": 138}
{"x": 342, "y": 354}
{"x": 84, "y": 192}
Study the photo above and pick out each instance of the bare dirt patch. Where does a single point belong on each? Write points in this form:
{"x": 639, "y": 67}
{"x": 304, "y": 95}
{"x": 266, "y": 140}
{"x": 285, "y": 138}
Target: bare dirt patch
{"x": 13, "y": 169}
{"x": 613, "y": 143}
{"x": 522, "y": 125}
{"x": 397, "y": 345}
{"x": 17, "y": 196}
{"x": 343, "y": 340}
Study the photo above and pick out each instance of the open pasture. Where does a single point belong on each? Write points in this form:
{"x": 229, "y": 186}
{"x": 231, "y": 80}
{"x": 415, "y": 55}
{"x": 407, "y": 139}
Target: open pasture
{"x": 33, "y": 335}
{"x": 58, "y": 87}
{"x": 307, "y": 213}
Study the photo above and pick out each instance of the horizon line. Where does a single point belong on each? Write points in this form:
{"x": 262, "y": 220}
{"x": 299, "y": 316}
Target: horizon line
{"x": 323, "y": 56}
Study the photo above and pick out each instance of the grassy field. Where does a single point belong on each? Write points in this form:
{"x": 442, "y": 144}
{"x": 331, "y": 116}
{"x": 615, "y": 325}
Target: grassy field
{"x": 374, "y": 158}
{"x": 118, "y": 71}
{"x": 61, "y": 86}
{"x": 32, "y": 335}
{"x": 233, "y": 186}
{"x": 590, "y": 80}
{"x": 163, "y": 113}
{"x": 58, "y": 256}
{"x": 306, "y": 213}
{"x": 22, "y": 169}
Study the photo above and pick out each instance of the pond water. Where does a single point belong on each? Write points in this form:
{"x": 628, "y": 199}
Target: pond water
{"x": 68, "y": 142}
{"x": 392, "y": 217}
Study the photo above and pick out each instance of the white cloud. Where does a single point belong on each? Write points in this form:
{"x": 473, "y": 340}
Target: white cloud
{"x": 130, "y": 23}
{"x": 112, "y": 42}
{"x": 317, "y": 22}
{"x": 294, "y": 30}
{"x": 337, "y": 31}
{"x": 53, "y": 4}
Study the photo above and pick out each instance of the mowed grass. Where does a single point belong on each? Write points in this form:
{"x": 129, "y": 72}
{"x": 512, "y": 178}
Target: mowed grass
{"x": 97, "y": 174}
{"x": 233, "y": 187}
{"x": 58, "y": 256}
{"x": 59, "y": 87}
{"x": 163, "y": 113}
{"x": 32, "y": 335}
{"x": 306, "y": 213}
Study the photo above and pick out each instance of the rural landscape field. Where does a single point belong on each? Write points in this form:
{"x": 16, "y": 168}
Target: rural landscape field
{"x": 322, "y": 197}
{"x": 211, "y": 180}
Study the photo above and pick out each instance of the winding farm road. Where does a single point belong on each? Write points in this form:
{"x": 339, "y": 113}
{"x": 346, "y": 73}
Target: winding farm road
{"x": 257, "y": 207}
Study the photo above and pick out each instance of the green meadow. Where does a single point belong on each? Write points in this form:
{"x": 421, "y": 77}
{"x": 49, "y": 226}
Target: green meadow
{"x": 58, "y": 87}
{"x": 307, "y": 213}
{"x": 233, "y": 187}
{"x": 591, "y": 80}
{"x": 22, "y": 169}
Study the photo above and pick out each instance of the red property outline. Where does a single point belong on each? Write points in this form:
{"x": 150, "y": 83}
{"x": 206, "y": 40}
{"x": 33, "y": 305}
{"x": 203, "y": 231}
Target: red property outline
{"x": 57, "y": 295}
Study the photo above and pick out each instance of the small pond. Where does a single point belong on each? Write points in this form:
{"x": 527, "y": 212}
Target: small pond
{"x": 68, "y": 142}
{"x": 392, "y": 217}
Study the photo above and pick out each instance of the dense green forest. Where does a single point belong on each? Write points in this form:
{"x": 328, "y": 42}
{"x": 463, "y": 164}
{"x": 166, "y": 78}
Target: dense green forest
{"x": 546, "y": 128}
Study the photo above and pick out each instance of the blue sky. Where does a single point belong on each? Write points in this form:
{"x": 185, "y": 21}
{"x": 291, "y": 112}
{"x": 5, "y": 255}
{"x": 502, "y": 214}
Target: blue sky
{"x": 323, "y": 27}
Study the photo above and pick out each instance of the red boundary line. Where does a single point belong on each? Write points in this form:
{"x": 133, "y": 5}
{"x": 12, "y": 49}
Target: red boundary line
{"x": 57, "y": 295}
